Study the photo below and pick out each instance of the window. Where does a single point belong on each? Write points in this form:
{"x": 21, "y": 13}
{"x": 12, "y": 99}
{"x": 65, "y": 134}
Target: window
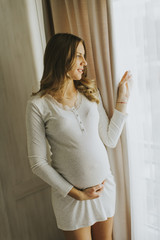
{"x": 136, "y": 46}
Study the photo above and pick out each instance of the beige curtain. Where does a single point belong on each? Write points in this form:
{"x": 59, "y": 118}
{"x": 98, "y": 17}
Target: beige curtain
{"x": 89, "y": 19}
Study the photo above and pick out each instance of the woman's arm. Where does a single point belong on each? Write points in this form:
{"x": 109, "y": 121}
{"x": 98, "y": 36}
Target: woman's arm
{"x": 110, "y": 130}
{"x": 37, "y": 151}
{"x": 88, "y": 193}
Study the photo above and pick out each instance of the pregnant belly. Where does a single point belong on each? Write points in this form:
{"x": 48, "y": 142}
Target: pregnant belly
{"x": 83, "y": 167}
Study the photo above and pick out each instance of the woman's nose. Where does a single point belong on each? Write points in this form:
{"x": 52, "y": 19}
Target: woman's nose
{"x": 84, "y": 62}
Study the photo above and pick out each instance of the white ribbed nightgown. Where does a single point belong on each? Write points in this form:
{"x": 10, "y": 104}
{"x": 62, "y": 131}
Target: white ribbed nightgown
{"x": 79, "y": 158}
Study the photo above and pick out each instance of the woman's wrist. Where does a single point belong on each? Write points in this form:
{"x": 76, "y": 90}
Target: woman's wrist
{"x": 75, "y": 193}
{"x": 122, "y": 102}
{"x": 122, "y": 99}
{"x": 121, "y": 106}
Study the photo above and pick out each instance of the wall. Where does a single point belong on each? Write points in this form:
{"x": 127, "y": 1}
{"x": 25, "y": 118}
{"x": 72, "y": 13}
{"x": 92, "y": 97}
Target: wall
{"x": 25, "y": 205}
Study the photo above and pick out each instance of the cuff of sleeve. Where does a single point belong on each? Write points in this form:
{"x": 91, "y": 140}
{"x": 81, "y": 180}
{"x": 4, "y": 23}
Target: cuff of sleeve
{"x": 119, "y": 117}
{"x": 66, "y": 189}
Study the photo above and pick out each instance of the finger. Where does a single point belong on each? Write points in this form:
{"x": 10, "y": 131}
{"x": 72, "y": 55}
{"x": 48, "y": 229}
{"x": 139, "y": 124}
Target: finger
{"x": 98, "y": 187}
{"x": 130, "y": 81}
{"x": 93, "y": 194}
{"x": 99, "y": 190}
{"x": 127, "y": 86}
{"x": 96, "y": 196}
{"x": 103, "y": 181}
{"x": 126, "y": 76}
{"x": 127, "y": 79}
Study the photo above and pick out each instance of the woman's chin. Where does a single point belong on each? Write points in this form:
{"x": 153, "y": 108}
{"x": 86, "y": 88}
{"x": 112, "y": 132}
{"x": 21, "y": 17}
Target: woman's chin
{"x": 77, "y": 79}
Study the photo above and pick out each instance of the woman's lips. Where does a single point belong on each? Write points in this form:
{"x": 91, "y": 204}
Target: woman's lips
{"x": 80, "y": 70}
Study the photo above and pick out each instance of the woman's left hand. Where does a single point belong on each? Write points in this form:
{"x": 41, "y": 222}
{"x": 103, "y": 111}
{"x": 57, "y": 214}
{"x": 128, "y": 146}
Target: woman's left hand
{"x": 124, "y": 87}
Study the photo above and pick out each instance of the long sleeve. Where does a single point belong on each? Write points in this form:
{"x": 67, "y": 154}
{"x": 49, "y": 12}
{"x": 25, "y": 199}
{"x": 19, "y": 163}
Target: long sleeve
{"x": 110, "y": 131}
{"x": 37, "y": 151}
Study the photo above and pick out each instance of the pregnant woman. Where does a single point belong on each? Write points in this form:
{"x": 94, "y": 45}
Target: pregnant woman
{"x": 68, "y": 112}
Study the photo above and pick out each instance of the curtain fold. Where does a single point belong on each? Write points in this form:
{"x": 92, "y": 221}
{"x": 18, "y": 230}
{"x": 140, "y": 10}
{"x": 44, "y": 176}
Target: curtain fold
{"x": 48, "y": 19}
{"x": 89, "y": 19}
{"x": 66, "y": 18}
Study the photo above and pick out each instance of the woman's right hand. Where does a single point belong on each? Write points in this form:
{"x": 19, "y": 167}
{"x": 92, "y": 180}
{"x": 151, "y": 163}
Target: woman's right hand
{"x": 87, "y": 193}
{"x": 92, "y": 192}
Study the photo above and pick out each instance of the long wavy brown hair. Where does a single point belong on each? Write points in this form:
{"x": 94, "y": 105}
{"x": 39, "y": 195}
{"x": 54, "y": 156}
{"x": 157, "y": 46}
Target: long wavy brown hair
{"x": 59, "y": 58}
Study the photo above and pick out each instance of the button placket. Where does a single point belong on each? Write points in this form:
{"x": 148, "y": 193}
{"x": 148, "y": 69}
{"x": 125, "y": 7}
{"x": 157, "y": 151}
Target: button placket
{"x": 78, "y": 119}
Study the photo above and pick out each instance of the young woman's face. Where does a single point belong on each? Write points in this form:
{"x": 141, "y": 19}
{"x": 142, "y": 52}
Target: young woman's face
{"x": 77, "y": 70}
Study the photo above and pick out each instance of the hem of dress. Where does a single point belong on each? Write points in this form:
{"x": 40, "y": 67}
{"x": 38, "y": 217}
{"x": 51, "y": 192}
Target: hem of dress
{"x": 83, "y": 225}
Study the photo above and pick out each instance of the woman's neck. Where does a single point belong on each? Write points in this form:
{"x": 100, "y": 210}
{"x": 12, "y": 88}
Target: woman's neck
{"x": 68, "y": 95}
{"x": 67, "y": 92}
{"x": 69, "y": 89}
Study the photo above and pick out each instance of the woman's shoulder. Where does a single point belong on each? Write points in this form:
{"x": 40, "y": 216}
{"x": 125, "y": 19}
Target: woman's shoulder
{"x": 35, "y": 97}
{"x": 42, "y": 105}
{"x": 37, "y": 102}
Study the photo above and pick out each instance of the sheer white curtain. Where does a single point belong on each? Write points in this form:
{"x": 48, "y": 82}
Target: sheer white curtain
{"x": 37, "y": 36}
{"x": 136, "y": 45}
